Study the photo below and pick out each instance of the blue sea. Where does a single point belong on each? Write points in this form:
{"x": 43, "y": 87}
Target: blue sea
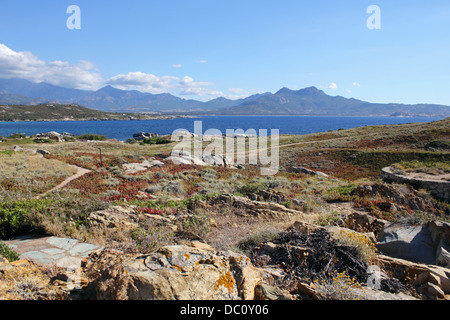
{"x": 123, "y": 130}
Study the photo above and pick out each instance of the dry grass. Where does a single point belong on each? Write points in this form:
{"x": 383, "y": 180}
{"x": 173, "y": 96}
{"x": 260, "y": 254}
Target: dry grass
{"x": 366, "y": 247}
{"x": 229, "y": 225}
{"x": 25, "y": 174}
{"x": 340, "y": 287}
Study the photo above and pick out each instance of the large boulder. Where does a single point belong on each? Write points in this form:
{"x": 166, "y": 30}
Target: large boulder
{"x": 181, "y": 272}
{"x": 440, "y": 233}
{"x": 131, "y": 168}
{"x": 145, "y": 135}
{"x": 428, "y": 243}
{"x": 255, "y": 207}
{"x": 185, "y": 157}
{"x": 114, "y": 217}
{"x": 306, "y": 171}
{"x": 413, "y": 243}
{"x": 218, "y": 160}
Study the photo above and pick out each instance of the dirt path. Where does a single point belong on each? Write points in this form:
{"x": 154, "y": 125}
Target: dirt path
{"x": 80, "y": 172}
{"x": 256, "y": 151}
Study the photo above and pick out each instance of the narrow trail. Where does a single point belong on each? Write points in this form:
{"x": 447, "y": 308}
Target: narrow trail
{"x": 80, "y": 172}
{"x": 256, "y": 151}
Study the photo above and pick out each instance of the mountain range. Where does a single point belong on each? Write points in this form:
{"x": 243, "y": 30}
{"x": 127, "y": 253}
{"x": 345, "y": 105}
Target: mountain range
{"x": 307, "y": 101}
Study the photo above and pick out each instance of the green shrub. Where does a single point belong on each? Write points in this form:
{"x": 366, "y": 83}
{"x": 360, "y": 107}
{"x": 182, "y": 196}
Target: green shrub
{"x": 14, "y": 218}
{"x": 89, "y": 136}
{"x": 345, "y": 190}
{"x": 17, "y": 136}
{"x": 248, "y": 244}
{"x": 249, "y": 188}
{"x": 438, "y": 144}
{"x": 40, "y": 140}
{"x": 156, "y": 141}
{"x": 8, "y": 253}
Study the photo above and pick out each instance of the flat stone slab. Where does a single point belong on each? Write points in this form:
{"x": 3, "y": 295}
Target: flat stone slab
{"x": 62, "y": 252}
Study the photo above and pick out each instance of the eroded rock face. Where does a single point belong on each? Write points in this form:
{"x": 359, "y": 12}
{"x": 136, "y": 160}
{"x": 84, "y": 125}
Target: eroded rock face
{"x": 114, "y": 217}
{"x": 306, "y": 171}
{"x": 427, "y": 243}
{"x": 432, "y": 282}
{"x": 254, "y": 207}
{"x": 186, "y": 272}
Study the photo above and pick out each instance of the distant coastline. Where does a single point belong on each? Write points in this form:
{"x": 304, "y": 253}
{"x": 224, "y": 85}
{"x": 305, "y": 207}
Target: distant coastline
{"x": 70, "y": 112}
{"x": 100, "y": 119}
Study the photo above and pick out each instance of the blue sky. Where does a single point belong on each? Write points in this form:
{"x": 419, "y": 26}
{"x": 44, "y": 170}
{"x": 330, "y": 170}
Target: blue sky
{"x": 202, "y": 49}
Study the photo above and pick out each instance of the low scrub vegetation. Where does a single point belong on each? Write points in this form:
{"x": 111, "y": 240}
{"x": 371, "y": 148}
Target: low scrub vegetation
{"x": 169, "y": 204}
{"x": 94, "y": 137}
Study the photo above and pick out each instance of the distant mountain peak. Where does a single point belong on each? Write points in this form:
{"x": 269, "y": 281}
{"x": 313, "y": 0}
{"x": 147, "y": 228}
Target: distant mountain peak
{"x": 311, "y": 90}
{"x": 284, "y": 90}
{"x": 108, "y": 88}
{"x": 305, "y": 91}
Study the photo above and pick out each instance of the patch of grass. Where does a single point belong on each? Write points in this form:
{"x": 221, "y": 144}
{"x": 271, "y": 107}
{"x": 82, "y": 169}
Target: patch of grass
{"x": 429, "y": 167}
{"x": 371, "y": 162}
{"x": 345, "y": 190}
{"x": 23, "y": 175}
{"x": 7, "y": 152}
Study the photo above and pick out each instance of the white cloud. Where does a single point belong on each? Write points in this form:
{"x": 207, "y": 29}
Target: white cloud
{"x": 237, "y": 90}
{"x": 188, "y": 82}
{"x": 356, "y": 84}
{"x": 154, "y": 84}
{"x": 143, "y": 82}
{"x": 237, "y": 93}
{"x": 203, "y": 61}
{"x": 25, "y": 65}
{"x": 348, "y": 90}
{"x": 84, "y": 75}
{"x": 332, "y": 86}
{"x": 199, "y": 91}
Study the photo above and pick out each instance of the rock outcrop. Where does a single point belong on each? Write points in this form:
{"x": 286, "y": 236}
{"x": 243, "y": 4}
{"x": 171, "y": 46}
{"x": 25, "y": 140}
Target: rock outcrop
{"x": 306, "y": 171}
{"x": 254, "y": 207}
{"x": 432, "y": 282}
{"x": 131, "y": 168}
{"x": 183, "y": 272}
{"x": 145, "y": 135}
{"x": 427, "y": 243}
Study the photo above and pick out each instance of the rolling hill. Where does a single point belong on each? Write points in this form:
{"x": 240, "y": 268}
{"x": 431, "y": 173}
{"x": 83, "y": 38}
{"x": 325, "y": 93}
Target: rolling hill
{"x": 312, "y": 101}
{"x": 55, "y": 112}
